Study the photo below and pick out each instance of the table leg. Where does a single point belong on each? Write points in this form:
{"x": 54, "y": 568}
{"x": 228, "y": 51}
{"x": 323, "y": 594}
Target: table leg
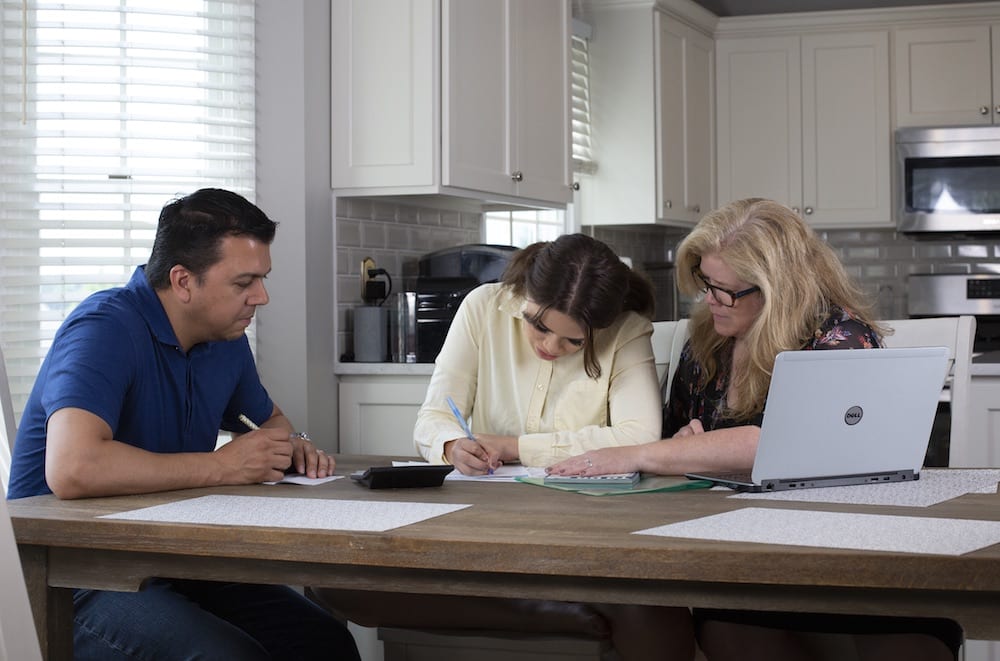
{"x": 51, "y": 607}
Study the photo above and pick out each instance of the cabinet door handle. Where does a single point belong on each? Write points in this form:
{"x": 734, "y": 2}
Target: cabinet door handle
{"x": 668, "y": 204}
{"x": 796, "y": 210}
{"x": 996, "y": 109}
{"x": 808, "y": 211}
{"x": 517, "y": 175}
{"x": 576, "y": 185}
{"x": 696, "y": 208}
{"x": 984, "y": 110}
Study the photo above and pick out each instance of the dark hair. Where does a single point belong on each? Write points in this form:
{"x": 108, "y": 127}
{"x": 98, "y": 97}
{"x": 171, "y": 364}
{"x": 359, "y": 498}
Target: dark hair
{"x": 582, "y": 278}
{"x": 191, "y": 229}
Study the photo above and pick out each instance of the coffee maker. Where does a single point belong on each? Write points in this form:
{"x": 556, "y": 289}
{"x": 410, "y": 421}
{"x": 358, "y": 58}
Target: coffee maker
{"x": 422, "y": 317}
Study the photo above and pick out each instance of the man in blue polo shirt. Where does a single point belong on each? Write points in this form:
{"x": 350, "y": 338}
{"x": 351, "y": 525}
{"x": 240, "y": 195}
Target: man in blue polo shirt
{"x": 130, "y": 399}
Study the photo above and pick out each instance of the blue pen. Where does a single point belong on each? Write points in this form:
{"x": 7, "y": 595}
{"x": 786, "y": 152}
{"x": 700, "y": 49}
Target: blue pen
{"x": 464, "y": 424}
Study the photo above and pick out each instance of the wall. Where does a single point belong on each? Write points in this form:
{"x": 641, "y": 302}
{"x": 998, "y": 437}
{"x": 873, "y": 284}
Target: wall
{"x": 295, "y": 345}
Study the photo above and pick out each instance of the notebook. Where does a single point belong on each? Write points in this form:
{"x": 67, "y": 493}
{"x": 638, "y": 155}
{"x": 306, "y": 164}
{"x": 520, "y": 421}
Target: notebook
{"x": 841, "y": 417}
{"x": 607, "y": 481}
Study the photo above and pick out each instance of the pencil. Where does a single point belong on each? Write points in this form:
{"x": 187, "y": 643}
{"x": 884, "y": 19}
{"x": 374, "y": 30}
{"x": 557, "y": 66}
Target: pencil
{"x": 465, "y": 428}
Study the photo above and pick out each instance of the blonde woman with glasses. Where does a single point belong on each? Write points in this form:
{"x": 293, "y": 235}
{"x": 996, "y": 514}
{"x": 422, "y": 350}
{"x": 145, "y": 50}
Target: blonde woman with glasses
{"x": 764, "y": 283}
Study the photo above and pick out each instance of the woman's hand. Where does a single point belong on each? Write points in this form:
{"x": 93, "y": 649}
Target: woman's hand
{"x": 690, "y": 429}
{"x": 599, "y": 462}
{"x": 489, "y": 451}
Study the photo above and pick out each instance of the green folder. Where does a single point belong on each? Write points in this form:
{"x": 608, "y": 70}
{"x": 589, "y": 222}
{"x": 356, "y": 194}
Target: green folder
{"x": 648, "y": 484}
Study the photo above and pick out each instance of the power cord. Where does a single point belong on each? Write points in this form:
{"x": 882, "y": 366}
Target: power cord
{"x": 376, "y": 289}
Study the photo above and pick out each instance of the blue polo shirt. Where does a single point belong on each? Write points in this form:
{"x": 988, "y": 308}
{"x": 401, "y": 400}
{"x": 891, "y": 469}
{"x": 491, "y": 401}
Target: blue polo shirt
{"x": 116, "y": 355}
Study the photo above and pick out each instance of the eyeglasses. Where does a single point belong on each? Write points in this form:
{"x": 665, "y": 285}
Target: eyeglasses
{"x": 724, "y": 297}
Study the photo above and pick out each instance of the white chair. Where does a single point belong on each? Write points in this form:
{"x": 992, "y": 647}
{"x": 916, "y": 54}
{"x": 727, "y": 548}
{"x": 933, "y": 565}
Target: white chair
{"x": 956, "y": 333}
{"x": 8, "y": 428}
{"x": 668, "y": 339}
{"x": 18, "y": 639}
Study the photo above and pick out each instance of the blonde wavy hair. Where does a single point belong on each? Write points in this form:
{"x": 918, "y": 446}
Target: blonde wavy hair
{"x": 800, "y": 277}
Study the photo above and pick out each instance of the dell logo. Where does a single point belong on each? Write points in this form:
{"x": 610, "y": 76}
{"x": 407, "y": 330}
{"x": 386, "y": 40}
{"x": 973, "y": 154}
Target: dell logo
{"x": 853, "y": 415}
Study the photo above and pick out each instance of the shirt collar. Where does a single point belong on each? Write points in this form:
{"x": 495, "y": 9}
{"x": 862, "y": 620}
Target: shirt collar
{"x": 512, "y": 304}
{"x": 151, "y": 308}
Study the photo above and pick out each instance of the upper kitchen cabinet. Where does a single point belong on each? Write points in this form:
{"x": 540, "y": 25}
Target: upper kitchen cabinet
{"x": 948, "y": 76}
{"x": 651, "y": 81}
{"x": 465, "y": 98}
{"x": 804, "y": 120}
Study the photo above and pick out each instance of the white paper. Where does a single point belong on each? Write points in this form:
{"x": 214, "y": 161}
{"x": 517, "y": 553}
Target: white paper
{"x": 303, "y": 513}
{"x": 299, "y": 478}
{"x": 934, "y": 486}
{"x": 866, "y": 532}
{"x": 507, "y": 473}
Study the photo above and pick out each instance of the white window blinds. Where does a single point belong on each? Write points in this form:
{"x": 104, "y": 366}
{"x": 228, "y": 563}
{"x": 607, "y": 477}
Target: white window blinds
{"x": 108, "y": 109}
{"x": 583, "y": 157}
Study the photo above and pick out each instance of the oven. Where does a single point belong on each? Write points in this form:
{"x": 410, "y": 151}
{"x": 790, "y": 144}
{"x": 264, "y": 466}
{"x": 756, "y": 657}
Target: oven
{"x": 948, "y": 295}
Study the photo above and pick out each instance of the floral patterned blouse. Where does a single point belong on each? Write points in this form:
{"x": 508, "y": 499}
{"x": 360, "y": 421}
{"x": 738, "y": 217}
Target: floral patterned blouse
{"x": 690, "y": 398}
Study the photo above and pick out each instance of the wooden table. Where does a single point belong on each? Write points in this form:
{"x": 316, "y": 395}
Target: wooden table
{"x": 516, "y": 540}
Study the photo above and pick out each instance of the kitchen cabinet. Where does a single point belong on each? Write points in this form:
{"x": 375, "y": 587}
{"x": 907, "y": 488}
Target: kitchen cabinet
{"x": 466, "y": 98}
{"x": 948, "y": 76}
{"x": 984, "y": 423}
{"x": 378, "y": 412}
{"x": 653, "y": 141}
{"x": 804, "y": 120}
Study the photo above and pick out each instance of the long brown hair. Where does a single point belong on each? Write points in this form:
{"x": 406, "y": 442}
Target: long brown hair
{"x": 582, "y": 278}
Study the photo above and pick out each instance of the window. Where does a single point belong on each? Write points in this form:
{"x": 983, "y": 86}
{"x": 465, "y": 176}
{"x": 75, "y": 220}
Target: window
{"x": 583, "y": 156}
{"x": 521, "y": 228}
{"x": 119, "y": 106}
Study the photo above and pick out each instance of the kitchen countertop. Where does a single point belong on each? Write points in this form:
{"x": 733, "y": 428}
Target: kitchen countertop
{"x": 986, "y": 364}
{"x": 383, "y": 369}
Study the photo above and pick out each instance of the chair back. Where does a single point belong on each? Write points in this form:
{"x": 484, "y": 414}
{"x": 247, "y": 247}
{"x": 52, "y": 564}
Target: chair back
{"x": 8, "y": 429}
{"x": 668, "y": 339}
{"x": 956, "y": 333}
{"x": 18, "y": 637}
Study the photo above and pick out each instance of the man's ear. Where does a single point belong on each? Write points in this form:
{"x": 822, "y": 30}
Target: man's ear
{"x": 181, "y": 282}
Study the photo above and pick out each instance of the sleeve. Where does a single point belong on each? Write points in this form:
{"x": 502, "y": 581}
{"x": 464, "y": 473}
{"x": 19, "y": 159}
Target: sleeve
{"x": 91, "y": 366}
{"x": 456, "y": 370}
{"x": 633, "y": 401}
{"x": 842, "y": 331}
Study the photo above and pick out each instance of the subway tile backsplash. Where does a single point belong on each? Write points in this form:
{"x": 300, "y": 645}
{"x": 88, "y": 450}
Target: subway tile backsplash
{"x": 396, "y": 235}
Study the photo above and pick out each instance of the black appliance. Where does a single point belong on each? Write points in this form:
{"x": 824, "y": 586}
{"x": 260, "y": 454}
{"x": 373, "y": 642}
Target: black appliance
{"x": 444, "y": 278}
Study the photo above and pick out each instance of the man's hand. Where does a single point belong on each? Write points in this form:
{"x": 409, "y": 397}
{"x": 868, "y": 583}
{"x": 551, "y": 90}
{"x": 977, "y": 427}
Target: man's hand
{"x": 257, "y": 456}
{"x": 310, "y": 460}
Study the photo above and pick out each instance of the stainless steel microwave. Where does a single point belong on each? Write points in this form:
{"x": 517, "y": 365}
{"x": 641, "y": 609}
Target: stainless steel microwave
{"x": 948, "y": 179}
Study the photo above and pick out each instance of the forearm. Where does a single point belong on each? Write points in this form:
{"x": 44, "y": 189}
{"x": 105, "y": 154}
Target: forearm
{"x": 544, "y": 449}
{"x": 115, "y": 468}
{"x": 730, "y": 449}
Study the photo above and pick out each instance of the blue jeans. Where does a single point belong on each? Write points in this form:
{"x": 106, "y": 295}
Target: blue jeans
{"x": 175, "y": 619}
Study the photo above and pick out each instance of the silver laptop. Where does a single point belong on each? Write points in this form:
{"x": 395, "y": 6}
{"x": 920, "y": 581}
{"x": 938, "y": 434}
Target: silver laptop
{"x": 844, "y": 417}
